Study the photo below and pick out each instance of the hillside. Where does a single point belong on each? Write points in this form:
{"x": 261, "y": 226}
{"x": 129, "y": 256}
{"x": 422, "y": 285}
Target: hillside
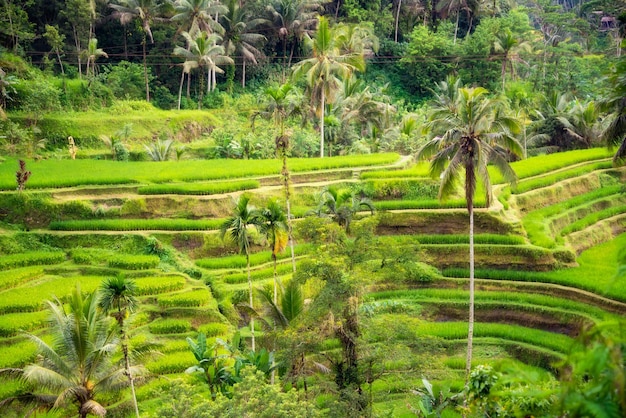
{"x": 547, "y": 268}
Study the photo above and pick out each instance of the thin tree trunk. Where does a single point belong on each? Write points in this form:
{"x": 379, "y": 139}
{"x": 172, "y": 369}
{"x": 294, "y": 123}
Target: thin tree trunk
{"x": 293, "y": 45}
{"x": 145, "y": 70}
{"x": 456, "y": 26}
{"x": 243, "y": 75}
{"x": 188, "y": 85}
{"x": 504, "y": 71}
{"x": 180, "y": 88}
{"x": 251, "y": 301}
{"x": 290, "y": 231}
{"x": 60, "y": 63}
{"x": 395, "y": 38}
{"x": 128, "y": 373}
{"x": 214, "y": 81}
{"x": 322, "y": 125}
{"x": 284, "y": 59}
{"x": 470, "y": 330}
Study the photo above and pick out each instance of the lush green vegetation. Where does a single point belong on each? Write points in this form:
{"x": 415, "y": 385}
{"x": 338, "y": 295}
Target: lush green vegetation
{"x": 325, "y": 291}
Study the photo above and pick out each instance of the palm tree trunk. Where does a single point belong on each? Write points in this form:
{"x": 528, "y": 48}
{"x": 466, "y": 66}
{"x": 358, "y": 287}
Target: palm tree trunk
{"x": 214, "y": 84}
{"x": 322, "y": 125}
{"x": 145, "y": 69}
{"x": 251, "y": 300}
{"x": 128, "y": 373}
{"x": 180, "y": 88}
{"x": 290, "y": 235}
{"x": 456, "y": 26}
{"x": 243, "y": 75}
{"x": 395, "y": 37}
{"x": 470, "y": 330}
{"x": 504, "y": 59}
{"x": 275, "y": 280}
{"x": 188, "y": 84}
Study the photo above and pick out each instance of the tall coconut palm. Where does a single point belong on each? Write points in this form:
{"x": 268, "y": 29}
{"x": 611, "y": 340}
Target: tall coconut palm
{"x": 202, "y": 52}
{"x": 273, "y": 224}
{"x": 281, "y": 102}
{"x": 117, "y": 295}
{"x": 76, "y": 368}
{"x": 237, "y": 227}
{"x": 465, "y": 139}
{"x": 324, "y": 70}
{"x": 197, "y": 15}
{"x": 293, "y": 19}
{"x": 147, "y": 11}
{"x": 615, "y": 132}
{"x": 240, "y": 34}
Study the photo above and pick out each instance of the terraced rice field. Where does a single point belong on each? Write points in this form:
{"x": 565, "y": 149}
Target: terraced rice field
{"x": 548, "y": 254}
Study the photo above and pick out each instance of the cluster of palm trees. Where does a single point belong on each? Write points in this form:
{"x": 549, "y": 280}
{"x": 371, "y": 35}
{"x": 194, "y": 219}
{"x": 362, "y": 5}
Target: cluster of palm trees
{"x": 78, "y": 366}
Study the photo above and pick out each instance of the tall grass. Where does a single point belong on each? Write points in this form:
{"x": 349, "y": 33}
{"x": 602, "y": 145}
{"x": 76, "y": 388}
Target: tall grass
{"x": 199, "y": 189}
{"x": 31, "y": 259}
{"x": 598, "y": 272}
{"x": 163, "y": 224}
{"x": 11, "y": 324}
{"x": 239, "y": 261}
{"x": 550, "y": 179}
{"x": 536, "y": 222}
{"x": 426, "y": 204}
{"x": 545, "y": 163}
{"x": 593, "y": 218}
{"x": 458, "y": 331}
{"x": 12, "y": 278}
{"x": 419, "y": 170}
{"x": 491, "y": 239}
{"x": 65, "y": 173}
{"x": 527, "y": 301}
{"x": 242, "y": 277}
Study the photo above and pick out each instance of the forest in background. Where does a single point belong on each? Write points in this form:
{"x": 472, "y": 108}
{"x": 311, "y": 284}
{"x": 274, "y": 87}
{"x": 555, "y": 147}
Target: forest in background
{"x": 550, "y": 59}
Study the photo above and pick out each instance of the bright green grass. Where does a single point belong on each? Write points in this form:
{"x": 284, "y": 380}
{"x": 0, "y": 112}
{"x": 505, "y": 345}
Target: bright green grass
{"x": 592, "y": 218}
{"x": 199, "y": 189}
{"x": 163, "y": 224}
{"x": 152, "y": 285}
{"x": 17, "y": 354}
{"x": 458, "y": 331}
{"x": 597, "y": 271}
{"x": 30, "y": 297}
{"x": 12, "y": 278}
{"x": 172, "y": 363}
{"x": 11, "y": 324}
{"x": 550, "y": 179}
{"x": 256, "y": 275}
{"x": 535, "y": 222}
{"x": 420, "y": 170}
{"x": 239, "y": 261}
{"x": 426, "y": 204}
{"x": 193, "y": 298}
{"x": 494, "y": 298}
{"x": 66, "y": 173}
{"x": 30, "y": 259}
{"x": 545, "y": 163}
{"x": 493, "y": 239}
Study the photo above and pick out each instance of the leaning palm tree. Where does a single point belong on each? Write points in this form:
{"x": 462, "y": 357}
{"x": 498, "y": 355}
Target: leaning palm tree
{"x": 93, "y": 53}
{"x": 273, "y": 225}
{"x": 147, "y": 11}
{"x": 117, "y": 294}
{"x": 243, "y": 216}
{"x": 324, "y": 70}
{"x": 509, "y": 46}
{"x": 467, "y": 137}
{"x": 76, "y": 368}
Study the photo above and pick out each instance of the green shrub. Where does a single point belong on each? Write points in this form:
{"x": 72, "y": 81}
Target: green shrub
{"x": 134, "y": 262}
{"x": 169, "y": 326}
{"x": 31, "y": 258}
{"x": 199, "y": 189}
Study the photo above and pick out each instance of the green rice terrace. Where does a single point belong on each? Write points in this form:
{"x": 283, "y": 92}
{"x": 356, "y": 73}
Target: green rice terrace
{"x": 387, "y": 289}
